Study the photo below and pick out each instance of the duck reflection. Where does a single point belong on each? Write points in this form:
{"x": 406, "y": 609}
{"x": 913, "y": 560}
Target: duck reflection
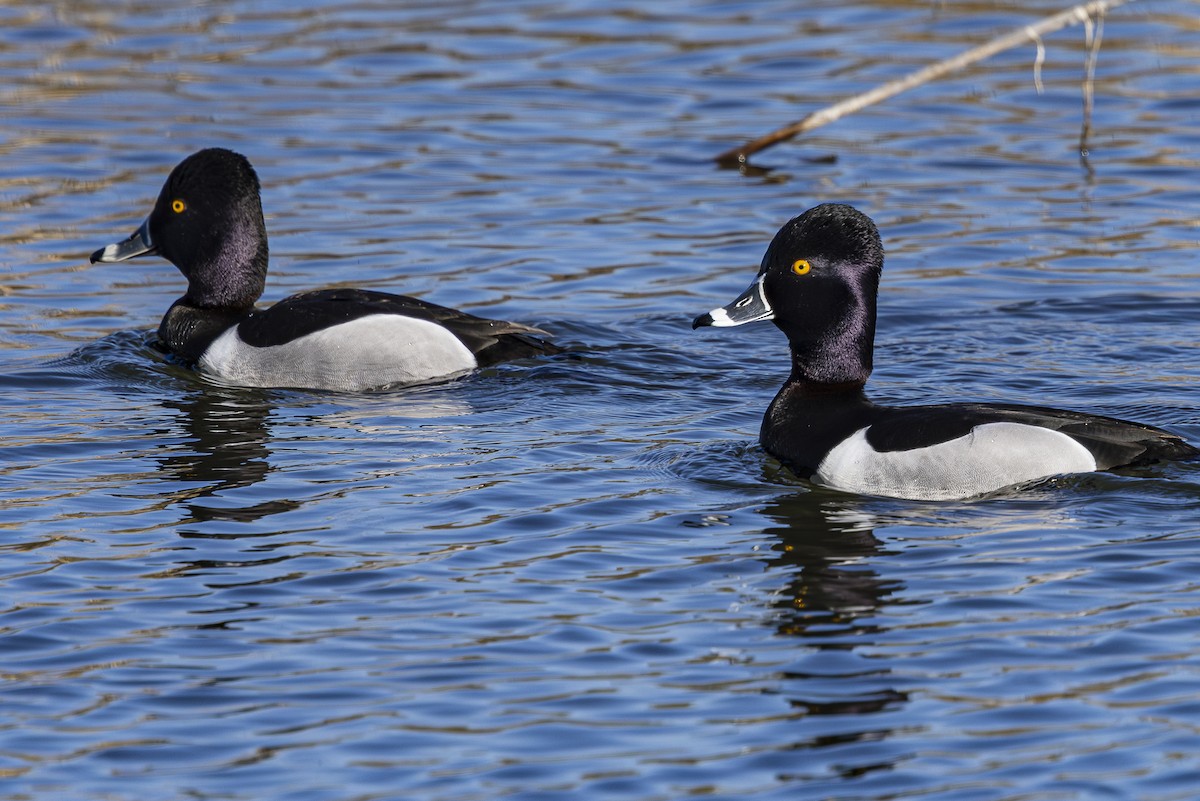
{"x": 825, "y": 545}
{"x": 227, "y": 446}
{"x": 226, "y": 450}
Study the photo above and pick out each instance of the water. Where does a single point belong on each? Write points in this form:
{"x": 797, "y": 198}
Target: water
{"x": 581, "y": 575}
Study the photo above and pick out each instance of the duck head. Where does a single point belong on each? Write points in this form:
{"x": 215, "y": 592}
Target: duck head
{"x": 208, "y": 222}
{"x": 817, "y": 283}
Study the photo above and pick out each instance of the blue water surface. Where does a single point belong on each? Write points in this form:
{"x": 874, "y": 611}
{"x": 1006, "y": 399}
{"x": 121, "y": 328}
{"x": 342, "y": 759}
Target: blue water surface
{"x": 581, "y": 576}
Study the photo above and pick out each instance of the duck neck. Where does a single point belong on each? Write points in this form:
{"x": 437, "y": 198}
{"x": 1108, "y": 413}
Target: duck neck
{"x": 817, "y": 390}
{"x": 833, "y": 341}
{"x": 832, "y": 363}
{"x": 226, "y": 271}
{"x": 234, "y": 278}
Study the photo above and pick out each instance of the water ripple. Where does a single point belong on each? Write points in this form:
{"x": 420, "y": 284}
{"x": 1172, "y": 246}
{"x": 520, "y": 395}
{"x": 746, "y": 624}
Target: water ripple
{"x": 582, "y": 575}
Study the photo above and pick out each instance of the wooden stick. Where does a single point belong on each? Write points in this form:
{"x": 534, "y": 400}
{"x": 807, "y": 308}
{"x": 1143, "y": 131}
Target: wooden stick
{"x": 1094, "y": 33}
{"x": 1072, "y": 16}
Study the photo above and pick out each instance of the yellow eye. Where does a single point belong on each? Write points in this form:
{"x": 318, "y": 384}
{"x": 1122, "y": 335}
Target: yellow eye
{"x": 801, "y": 266}
{"x": 178, "y": 206}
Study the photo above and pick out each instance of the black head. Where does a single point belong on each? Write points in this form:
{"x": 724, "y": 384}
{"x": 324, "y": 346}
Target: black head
{"x": 818, "y": 283}
{"x": 208, "y": 222}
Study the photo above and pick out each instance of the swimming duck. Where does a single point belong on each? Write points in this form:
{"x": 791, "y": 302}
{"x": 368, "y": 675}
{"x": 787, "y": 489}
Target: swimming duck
{"x": 818, "y": 283}
{"x": 208, "y": 222}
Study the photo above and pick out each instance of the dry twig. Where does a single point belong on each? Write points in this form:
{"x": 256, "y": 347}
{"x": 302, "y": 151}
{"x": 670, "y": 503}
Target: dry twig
{"x": 1084, "y": 12}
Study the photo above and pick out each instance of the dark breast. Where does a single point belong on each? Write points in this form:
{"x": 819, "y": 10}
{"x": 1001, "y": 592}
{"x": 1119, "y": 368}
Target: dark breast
{"x": 186, "y": 331}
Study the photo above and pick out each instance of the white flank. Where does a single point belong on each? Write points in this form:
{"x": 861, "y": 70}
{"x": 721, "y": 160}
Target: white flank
{"x": 990, "y": 457}
{"x": 369, "y": 352}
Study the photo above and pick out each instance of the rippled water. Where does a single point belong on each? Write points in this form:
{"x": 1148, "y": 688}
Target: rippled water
{"x": 581, "y": 575}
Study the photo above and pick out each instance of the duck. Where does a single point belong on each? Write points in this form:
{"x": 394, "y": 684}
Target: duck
{"x": 208, "y": 222}
{"x": 818, "y": 283}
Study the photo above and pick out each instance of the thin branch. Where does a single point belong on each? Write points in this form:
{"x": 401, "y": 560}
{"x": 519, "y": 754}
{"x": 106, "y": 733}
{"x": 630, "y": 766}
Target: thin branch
{"x": 1072, "y": 16}
{"x": 1038, "y": 61}
{"x": 1092, "y": 37}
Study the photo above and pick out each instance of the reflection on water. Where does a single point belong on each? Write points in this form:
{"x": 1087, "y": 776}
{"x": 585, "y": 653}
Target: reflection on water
{"x": 226, "y": 446}
{"x": 827, "y": 548}
{"x": 831, "y": 602}
{"x": 583, "y": 576}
